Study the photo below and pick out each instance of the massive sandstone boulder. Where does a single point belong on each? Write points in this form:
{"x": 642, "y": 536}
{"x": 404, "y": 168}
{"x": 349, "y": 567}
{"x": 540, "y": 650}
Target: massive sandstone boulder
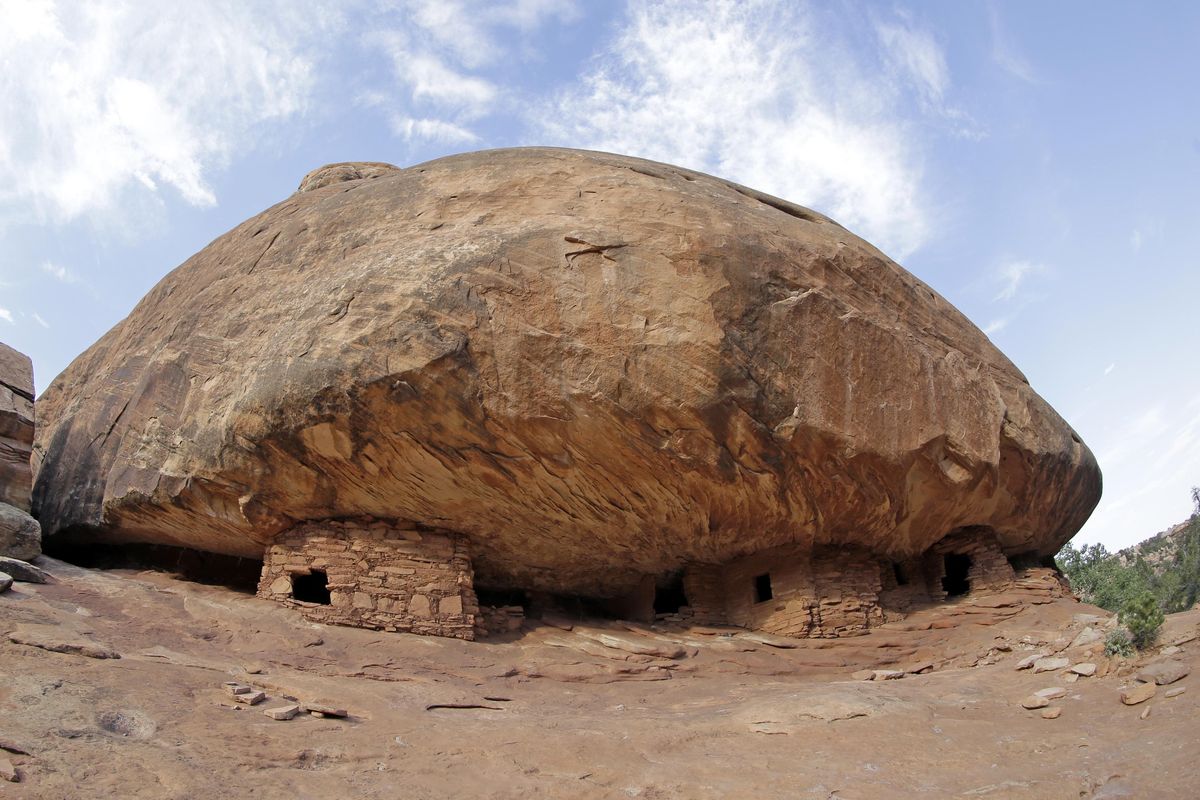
{"x": 594, "y": 367}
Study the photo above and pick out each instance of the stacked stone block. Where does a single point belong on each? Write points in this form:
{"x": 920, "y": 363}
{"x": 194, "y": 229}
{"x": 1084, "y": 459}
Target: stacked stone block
{"x": 384, "y": 575}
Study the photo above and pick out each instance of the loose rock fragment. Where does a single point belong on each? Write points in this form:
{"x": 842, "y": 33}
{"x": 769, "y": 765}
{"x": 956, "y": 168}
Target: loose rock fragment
{"x": 1029, "y": 660}
{"x": 8, "y": 772}
{"x": 1175, "y": 692}
{"x": 250, "y": 698}
{"x": 1164, "y": 672}
{"x": 1050, "y": 664}
{"x": 326, "y": 710}
{"x": 887, "y": 675}
{"x": 1051, "y": 692}
{"x": 283, "y": 712}
{"x": 6, "y": 581}
{"x": 1085, "y": 670}
{"x": 1140, "y": 693}
{"x": 22, "y": 570}
{"x": 1034, "y": 701}
{"x": 1145, "y": 713}
{"x": 1053, "y": 712}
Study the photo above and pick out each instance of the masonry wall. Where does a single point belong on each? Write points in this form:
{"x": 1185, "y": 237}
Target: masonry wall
{"x": 382, "y": 575}
{"x": 826, "y": 594}
{"x": 990, "y": 568}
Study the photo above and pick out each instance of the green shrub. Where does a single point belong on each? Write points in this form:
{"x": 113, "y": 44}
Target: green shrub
{"x": 1118, "y": 643}
{"x": 1142, "y": 616}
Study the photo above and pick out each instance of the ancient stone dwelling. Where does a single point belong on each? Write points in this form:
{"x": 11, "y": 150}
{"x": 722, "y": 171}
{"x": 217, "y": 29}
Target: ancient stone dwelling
{"x": 380, "y": 575}
{"x": 514, "y": 381}
{"x": 402, "y": 577}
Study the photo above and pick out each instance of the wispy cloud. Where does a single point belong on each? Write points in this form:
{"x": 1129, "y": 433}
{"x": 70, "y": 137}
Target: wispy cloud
{"x": 997, "y": 325}
{"x": 1005, "y": 52}
{"x": 38, "y": 319}
{"x": 7, "y": 316}
{"x": 761, "y": 92}
{"x": 1110, "y": 368}
{"x": 1012, "y": 274}
{"x": 431, "y": 130}
{"x": 59, "y": 272}
{"x": 438, "y": 51}
{"x": 140, "y": 96}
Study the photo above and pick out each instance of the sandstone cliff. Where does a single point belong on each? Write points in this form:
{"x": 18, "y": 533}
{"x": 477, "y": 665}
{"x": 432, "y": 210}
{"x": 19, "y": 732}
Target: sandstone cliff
{"x": 594, "y": 367}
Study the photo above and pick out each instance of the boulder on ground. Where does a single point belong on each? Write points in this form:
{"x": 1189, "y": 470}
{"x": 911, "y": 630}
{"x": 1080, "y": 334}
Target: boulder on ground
{"x": 1164, "y": 672}
{"x": 20, "y": 534}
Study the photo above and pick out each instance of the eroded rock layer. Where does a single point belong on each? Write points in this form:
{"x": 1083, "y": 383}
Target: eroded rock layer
{"x": 16, "y": 427}
{"x": 595, "y": 368}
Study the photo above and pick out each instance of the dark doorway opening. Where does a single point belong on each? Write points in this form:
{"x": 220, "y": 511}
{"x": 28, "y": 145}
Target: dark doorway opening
{"x": 501, "y": 598}
{"x": 311, "y": 588}
{"x": 762, "y": 589}
{"x": 956, "y": 582}
{"x": 669, "y": 596}
{"x": 899, "y": 573}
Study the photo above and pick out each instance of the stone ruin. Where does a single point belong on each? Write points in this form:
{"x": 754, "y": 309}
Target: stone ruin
{"x": 436, "y": 399}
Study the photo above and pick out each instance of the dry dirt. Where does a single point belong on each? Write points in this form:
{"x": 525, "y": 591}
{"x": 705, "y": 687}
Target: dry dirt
{"x": 604, "y": 710}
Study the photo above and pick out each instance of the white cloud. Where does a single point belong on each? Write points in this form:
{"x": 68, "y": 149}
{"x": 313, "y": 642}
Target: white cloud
{"x": 1110, "y": 368}
{"x": 1012, "y": 274}
{"x": 38, "y": 319}
{"x": 7, "y": 316}
{"x": 59, "y": 273}
{"x": 431, "y": 130}
{"x": 138, "y": 95}
{"x": 763, "y": 93}
{"x": 437, "y": 49}
{"x": 997, "y": 325}
{"x": 915, "y": 52}
{"x": 1006, "y": 54}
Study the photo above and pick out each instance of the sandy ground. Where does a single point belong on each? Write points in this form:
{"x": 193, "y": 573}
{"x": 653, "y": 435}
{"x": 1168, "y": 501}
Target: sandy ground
{"x": 603, "y": 710}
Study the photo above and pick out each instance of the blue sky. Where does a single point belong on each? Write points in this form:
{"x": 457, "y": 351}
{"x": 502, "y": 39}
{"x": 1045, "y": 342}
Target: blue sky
{"x": 1036, "y": 163}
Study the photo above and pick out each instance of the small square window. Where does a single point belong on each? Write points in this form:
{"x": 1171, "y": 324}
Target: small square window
{"x": 762, "y": 589}
{"x": 311, "y": 588}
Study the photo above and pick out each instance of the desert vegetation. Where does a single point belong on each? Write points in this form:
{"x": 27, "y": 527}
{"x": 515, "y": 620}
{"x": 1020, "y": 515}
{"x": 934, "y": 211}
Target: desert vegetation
{"x": 1142, "y": 583}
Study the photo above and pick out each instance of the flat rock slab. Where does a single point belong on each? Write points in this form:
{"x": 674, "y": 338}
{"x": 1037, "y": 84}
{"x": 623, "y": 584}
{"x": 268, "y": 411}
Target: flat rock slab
{"x": 283, "y": 712}
{"x": 1034, "y": 702}
{"x": 23, "y": 570}
{"x": 326, "y": 710}
{"x": 1051, "y": 692}
{"x": 781, "y": 642}
{"x": 630, "y": 643}
{"x": 6, "y": 582}
{"x": 1029, "y": 660}
{"x": 1084, "y": 670}
{"x": 250, "y": 698}
{"x": 58, "y": 640}
{"x": 1050, "y": 664}
{"x": 1053, "y": 712}
{"x": 1138, "y": 694}
{"x": 1164, "y": 672}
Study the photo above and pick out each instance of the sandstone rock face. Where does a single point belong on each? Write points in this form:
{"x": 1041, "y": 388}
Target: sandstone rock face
{"x": 595, "y": 368}
{"x": 16, "y": 427}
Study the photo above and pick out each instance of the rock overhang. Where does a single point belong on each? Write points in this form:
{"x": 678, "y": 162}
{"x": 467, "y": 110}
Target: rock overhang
{"x": 594, "y": 367}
